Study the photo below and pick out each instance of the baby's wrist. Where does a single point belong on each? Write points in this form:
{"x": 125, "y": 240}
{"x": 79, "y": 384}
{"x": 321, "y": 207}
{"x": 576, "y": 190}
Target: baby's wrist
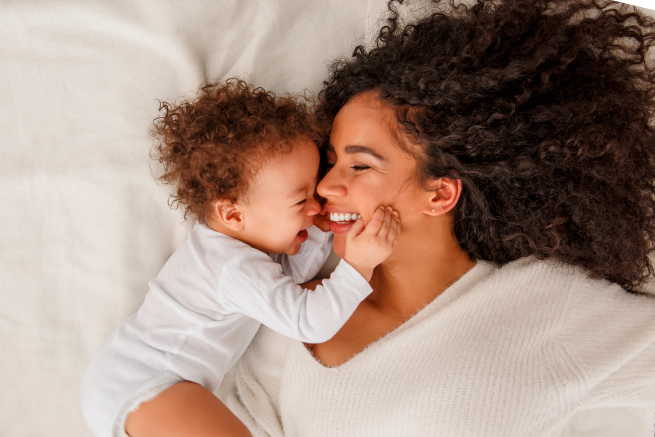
{"x": 366, "y": 272}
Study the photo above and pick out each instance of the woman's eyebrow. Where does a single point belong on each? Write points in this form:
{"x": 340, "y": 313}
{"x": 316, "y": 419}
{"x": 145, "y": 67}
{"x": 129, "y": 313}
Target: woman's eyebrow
{"x": 353, "y": 150}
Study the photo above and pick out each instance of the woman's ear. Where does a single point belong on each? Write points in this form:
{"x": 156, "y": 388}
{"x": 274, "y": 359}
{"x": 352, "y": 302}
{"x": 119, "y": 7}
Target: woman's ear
{"x": 443, "y": 196}
{"x": 227, "y": 213}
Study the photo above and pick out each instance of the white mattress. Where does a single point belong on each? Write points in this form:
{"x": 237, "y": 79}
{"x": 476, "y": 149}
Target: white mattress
{"x": 83, "y": 225}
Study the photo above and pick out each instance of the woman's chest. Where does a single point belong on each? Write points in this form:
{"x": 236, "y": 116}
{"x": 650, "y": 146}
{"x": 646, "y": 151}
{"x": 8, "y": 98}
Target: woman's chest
{"x": 365, "y": 326}
{"x": 430, "y": 380}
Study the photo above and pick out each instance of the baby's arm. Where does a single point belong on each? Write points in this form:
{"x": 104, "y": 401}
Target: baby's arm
{"x": 259, "y": 290}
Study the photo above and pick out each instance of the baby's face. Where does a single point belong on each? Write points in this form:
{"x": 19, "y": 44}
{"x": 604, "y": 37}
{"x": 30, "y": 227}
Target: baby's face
{"x": 281, "y": 202}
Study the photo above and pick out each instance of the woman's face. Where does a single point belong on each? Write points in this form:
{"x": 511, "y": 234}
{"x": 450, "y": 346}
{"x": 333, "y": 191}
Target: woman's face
{"x": 367, "y": 168}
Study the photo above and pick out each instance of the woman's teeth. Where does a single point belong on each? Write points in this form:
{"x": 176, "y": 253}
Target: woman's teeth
{"x": 344, "y": 218}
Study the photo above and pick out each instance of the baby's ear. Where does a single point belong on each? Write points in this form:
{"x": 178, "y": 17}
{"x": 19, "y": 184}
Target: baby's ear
{"x": 227, "y": 213}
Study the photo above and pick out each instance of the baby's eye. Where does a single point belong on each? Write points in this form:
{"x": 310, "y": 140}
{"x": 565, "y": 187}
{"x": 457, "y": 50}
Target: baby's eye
{"x": 360, "y": 167}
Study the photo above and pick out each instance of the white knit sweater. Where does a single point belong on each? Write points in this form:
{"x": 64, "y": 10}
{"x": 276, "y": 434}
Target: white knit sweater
{"x": 515, "y": 351}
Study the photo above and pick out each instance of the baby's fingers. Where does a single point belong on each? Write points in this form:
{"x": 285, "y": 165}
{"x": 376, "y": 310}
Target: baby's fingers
{"x": 394, "y": 228}
{"x": 386, "y": 221}
{"x": 373, "y": 227}
{"x": 355, "y": 229}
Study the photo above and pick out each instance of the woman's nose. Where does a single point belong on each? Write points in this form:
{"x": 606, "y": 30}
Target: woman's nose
{"x": 331, "y": 185}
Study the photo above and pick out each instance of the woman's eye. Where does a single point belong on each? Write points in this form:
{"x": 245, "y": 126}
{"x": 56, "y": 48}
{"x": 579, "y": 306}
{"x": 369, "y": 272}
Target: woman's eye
{"x": 302, "y": 202}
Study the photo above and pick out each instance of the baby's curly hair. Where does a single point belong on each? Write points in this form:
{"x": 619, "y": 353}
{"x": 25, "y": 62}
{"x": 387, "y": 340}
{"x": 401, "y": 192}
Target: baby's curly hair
{"x": 542, "y": 108}
{"x": 211, "y": 147}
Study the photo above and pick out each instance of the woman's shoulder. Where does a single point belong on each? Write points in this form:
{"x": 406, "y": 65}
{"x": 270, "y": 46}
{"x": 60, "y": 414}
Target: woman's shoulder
{"x": 565, "y": 301}
{"x": 574, "y": 288}
{"x": 553, "y": 276}
{"x": 595, "y": 320}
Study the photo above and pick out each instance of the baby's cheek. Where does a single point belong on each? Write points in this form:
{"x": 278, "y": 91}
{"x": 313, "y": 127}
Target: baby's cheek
{"x": 308, "y": 221}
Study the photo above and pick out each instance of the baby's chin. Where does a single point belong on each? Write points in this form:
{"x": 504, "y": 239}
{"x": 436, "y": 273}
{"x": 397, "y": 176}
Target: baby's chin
{"x": 293, "y": 250}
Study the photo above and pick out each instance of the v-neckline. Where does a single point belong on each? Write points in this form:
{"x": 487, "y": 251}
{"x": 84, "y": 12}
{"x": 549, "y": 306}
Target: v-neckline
{"x": 473, "y": 275}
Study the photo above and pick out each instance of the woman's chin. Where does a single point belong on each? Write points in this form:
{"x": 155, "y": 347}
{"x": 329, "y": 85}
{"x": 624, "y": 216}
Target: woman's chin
{"x": 339, "y": 245}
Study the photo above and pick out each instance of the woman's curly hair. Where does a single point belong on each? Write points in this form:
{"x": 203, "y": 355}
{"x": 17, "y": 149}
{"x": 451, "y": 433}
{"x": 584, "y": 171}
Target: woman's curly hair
{"x": 542, "y": 108}
{"x": 211, "y": 147}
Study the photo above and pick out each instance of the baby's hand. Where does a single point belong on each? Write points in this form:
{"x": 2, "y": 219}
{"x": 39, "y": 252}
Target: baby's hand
{"x": 368, "y": 247}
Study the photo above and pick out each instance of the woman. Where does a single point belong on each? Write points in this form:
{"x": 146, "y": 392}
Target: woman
{"x": 514, "y": 140}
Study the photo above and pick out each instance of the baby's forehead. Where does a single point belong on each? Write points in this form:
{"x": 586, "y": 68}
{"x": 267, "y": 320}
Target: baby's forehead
{"x": 286, "y": 173}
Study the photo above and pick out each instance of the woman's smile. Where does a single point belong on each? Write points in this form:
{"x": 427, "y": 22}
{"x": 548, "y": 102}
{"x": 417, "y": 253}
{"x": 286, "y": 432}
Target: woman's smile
{"x": 341, "y": 220}
{"x": 344, "y": 218}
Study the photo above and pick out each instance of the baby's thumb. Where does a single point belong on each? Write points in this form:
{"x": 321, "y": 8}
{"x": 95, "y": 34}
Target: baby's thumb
{"x": 355, "y": 229}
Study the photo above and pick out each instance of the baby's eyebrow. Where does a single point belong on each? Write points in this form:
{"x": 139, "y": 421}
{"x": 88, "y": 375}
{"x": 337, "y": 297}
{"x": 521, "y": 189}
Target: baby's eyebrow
{"x": 298, "y": 192}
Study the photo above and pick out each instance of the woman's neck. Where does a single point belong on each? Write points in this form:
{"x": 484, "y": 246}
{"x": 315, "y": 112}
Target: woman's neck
{"x": 416, "y": 273}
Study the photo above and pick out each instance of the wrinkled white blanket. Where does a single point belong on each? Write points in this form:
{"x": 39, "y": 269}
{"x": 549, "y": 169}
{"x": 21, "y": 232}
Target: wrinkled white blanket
{"x": 83, "y": 225}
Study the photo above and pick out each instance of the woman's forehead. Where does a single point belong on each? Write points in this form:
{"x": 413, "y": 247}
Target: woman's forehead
{"x": 362, "y": 114}
{"x": 367, "y": 100}
{"x": 368, "y": 121}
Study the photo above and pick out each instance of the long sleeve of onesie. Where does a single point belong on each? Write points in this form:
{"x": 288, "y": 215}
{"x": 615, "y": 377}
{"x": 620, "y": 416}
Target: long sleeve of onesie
{"x": 201, "y": 312}
{"x": 308, "y": 316}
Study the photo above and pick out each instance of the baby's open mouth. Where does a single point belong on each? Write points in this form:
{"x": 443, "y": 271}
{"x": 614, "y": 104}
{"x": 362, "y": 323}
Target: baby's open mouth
{"x": 342, "y": 218}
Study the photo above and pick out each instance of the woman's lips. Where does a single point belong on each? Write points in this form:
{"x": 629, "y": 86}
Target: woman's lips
{"x": 339, "y": 228}
{"x": 341, "y": 221}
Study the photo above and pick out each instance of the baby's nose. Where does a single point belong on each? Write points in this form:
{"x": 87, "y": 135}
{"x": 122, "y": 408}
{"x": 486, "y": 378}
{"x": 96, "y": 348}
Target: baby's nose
{"x": 314, "y": 207}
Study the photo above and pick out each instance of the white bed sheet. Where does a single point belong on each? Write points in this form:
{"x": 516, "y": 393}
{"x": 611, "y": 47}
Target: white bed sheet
{"x": 83, "y": 225}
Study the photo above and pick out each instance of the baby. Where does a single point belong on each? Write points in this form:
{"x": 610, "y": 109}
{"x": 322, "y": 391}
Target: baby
{"x": 244, "y": 165}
